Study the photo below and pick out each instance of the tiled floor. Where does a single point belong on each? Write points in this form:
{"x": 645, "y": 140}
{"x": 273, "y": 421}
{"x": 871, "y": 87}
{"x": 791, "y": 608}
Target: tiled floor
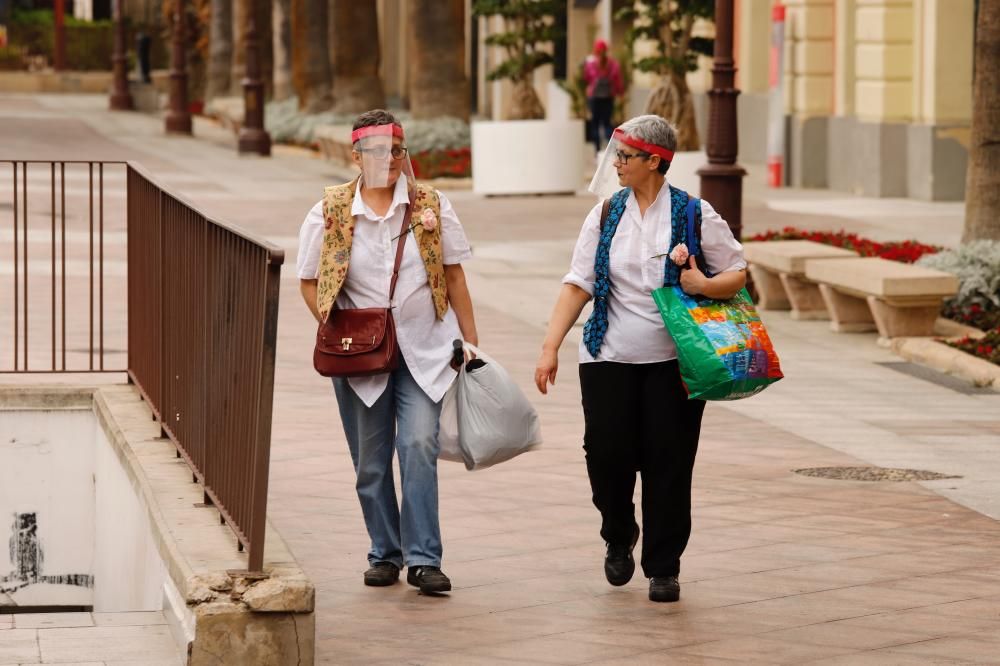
{"x": 87, "y": 639}
{"x": 781, "y": 568}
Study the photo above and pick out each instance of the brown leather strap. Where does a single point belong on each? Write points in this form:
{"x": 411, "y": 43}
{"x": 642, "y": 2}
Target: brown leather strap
{"x": 404, "y": 231}
{"x": 605, "y": 209}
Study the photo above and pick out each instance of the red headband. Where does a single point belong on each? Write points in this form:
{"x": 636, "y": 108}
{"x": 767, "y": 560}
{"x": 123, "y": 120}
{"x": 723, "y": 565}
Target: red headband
{"x": 376, "y": 130}
{"x": 651, "y": 148}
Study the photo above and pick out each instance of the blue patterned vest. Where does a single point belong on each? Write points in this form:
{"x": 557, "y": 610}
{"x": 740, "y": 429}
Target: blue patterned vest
{"x": 597, "y": 324}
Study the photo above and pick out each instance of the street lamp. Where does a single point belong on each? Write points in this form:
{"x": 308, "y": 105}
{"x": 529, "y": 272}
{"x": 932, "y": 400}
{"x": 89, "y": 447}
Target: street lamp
{"x": 178, "y": 117}
{"x": 121, "y": 98}
{"x": 722, "y": 177}
{"x": 253, "y": 138}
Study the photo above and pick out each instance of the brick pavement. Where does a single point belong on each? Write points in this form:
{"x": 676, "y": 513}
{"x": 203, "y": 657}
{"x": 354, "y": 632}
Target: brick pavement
{"x": 781, "y": 568}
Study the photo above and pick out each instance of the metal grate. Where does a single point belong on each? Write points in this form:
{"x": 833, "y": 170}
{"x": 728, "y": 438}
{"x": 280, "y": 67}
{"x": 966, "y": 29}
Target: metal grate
{"x": 936, "y": 377}
{"x": 872, "y": 473}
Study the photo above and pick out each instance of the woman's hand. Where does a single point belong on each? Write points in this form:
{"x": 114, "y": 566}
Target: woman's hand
{"x": 693, "y": 281}
{"x": 546, "y": 369}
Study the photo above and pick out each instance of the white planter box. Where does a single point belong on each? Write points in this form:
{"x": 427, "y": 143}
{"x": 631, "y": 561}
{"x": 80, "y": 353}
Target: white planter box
{"x": 527, "y": 156}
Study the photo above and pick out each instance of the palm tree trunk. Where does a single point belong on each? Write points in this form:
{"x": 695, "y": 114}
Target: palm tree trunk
{"x": 438, "y": 83}
{"x": 237, "y": 64}
{"x": 220, "y": 49}
{"x": 282, "y": 46}
{"x": 671, "y": 99}
{"x": 356, "y": 56}
{"x": 310, "y": 59}
{"x": 982, "y": 189}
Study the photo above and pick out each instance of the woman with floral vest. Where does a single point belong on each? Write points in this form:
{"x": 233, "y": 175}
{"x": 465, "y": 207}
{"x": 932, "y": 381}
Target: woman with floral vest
{"x": 636, "y": 411}
{"x": 347, "y": 251}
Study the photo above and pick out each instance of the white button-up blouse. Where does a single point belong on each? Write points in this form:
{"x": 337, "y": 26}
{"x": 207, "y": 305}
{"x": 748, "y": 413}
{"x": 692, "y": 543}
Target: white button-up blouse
{"x": 636, "y": 333}
{"x": 424, "y": 341}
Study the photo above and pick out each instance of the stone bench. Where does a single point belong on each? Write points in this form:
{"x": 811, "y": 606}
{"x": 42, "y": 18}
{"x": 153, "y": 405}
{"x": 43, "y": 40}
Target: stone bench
{"x": 778, "y": 270}
{"x": 335, "y": 143}
{"x": 869, "y": 293}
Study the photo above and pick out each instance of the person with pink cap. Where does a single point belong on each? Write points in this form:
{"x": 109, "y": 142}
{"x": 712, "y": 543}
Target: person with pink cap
{"x": 603, "y": 78}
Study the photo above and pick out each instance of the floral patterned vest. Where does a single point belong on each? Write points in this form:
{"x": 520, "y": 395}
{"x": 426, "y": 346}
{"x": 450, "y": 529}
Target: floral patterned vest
{"x": 335, "y": 255}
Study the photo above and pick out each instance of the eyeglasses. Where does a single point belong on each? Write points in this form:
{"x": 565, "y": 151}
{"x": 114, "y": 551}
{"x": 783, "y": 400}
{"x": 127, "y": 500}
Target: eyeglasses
{"x": 381, "y": 152}
{"x": 623, "y": 157}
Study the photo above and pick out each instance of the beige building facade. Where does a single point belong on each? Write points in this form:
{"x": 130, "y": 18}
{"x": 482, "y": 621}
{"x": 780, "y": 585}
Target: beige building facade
{"x": 878, "y": 93}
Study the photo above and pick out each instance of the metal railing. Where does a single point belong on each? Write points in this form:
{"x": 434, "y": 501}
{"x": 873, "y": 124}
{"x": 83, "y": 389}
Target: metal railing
{"x": 190, "y": 304}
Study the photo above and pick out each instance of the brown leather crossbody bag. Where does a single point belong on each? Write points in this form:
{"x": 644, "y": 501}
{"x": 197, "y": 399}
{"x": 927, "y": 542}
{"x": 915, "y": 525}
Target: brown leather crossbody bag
{"x": 360, "y": 342}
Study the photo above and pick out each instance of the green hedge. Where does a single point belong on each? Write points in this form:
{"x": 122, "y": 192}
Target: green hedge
{"x": 89, "y": 44}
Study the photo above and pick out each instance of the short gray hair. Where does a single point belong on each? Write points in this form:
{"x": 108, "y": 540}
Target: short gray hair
{"x": 652, "y": 129}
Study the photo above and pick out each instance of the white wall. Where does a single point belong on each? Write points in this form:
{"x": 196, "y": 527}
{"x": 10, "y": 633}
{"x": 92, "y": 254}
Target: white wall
{"x": 60, "y": 465}
{"x": 127, "y": 567}
{"x": 46, "y": 468}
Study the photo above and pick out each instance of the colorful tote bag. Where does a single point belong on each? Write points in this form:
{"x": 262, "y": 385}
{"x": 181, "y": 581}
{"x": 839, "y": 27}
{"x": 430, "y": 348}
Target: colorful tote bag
{"x": 723, "y": 350}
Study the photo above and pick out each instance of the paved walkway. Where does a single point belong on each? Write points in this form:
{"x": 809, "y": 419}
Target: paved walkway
{"x": 782, "y": 568}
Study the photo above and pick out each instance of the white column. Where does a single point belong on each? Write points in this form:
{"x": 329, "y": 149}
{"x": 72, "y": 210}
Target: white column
{"x": 884, "y": 60}
{"x": 809, "y": 57}
{"x": 843, "y": 66}
{"x": 944, "y": 32}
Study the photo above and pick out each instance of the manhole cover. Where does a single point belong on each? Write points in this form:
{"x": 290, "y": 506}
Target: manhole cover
{"x": 872, "y": 474}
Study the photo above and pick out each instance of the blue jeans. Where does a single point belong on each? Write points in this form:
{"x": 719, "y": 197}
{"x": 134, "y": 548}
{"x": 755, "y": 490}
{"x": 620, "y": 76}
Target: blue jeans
{"x": 406, "y": 420}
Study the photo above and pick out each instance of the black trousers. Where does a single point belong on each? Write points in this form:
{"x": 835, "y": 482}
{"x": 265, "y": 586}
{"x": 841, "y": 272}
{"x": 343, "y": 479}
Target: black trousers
{"x": 638, "y": 419}
{"x": 601, "y": 109}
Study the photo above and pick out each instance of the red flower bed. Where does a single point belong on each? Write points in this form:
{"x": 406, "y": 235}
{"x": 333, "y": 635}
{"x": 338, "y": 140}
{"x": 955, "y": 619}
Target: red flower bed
{"x": 451, "y": 163}
{"x": 904, "y": 251}
{"x": 987, "y": 348}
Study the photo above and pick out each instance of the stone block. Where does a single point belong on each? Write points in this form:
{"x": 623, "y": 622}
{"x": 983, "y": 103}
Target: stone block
{"x": 937, "y": 160}
{"x": 890, "y": 280}
{"x": 806, "y": 301}
{"x": 848, "y": 314}
{"x": 884, "y": 23}
{"x": 789, "y": 256}
{"x": 228, "y": 635}
{"x": 904, "y": 321}
{"x": 879, "y": 153}
{"x": 807, "y": 161}
{"x": 813, "y": 94}
{"x": 878, "y": 100}
{"x": 813, "y": 57}
{"x": 770, "y": 292}
{"x": 884, "y": 61}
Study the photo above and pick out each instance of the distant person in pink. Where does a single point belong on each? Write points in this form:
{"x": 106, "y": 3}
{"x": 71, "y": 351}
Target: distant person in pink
{"x": 603, "y": 77}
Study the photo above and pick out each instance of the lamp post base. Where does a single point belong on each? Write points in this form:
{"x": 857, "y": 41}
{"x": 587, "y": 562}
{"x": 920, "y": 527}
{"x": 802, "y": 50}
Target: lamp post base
{"x": 722, "y": 186}
{"x": 254, "y": 140}
{"x": 121, "y": 102}
{"x": 178, "y": 123}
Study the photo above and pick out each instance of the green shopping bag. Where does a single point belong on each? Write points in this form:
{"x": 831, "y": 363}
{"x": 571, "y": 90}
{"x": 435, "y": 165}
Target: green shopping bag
{"x": 723, "y": 350}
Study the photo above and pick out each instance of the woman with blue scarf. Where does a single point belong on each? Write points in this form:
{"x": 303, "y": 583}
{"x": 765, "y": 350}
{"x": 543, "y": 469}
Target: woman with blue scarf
{"x": 636, "y": 410}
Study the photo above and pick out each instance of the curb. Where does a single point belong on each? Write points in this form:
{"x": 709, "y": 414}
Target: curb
{"x": 941, "y": 357}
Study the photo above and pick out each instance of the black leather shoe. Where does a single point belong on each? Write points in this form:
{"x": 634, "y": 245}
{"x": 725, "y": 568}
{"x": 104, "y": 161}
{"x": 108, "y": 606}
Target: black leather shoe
{"x": 430, "y": 580}
{"x": 618, "y": 563}
{"x": 382, "y": 574}
{"x": 664, "y": 588}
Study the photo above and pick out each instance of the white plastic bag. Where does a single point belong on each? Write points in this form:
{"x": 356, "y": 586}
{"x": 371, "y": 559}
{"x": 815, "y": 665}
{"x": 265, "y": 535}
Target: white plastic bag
{"x": 485, "y": 418}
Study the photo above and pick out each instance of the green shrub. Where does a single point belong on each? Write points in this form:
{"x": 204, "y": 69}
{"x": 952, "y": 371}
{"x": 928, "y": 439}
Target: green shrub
{"x": 89, "y": 44}
{"x": 439, "y": 134}
{"x": 11, "y": 58}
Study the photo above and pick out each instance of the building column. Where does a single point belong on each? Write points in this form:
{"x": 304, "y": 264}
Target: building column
{"x": 943, "y": 62}
{"x": 808, "y": 88}
{"x": 884, "y": 60}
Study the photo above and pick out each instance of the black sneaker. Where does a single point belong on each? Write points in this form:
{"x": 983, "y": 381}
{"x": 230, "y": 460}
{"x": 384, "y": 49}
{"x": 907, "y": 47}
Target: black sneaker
{"x": 430, "y": 580}
{"x": 618, "y": 563}
{"x": 382, "y": 574}
{"x": 664, "y": 588}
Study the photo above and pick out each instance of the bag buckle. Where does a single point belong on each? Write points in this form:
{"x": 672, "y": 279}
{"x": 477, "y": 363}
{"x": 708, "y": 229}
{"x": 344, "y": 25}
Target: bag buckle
{"x": 346, "y": 342}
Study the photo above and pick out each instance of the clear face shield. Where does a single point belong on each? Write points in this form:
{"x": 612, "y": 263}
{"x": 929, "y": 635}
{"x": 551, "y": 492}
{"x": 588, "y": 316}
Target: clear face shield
{"x": 382, "y": 155}
{"x": 617, "y": 157}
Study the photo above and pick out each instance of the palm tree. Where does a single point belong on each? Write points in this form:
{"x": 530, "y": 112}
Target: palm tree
{"x": 282, "y": 46}
{"x": 982, "y": 189}
{"x": 356, "y": 53}
{"x": 438, "y": 84}
{"x": 310, "y": 60}
{"x": 220, "y": 48}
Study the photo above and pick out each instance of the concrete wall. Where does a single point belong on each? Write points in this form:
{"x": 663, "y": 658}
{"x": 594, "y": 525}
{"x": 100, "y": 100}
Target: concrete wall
{"x": 128, "y": 571}
{"x": 46, "y": 469}
{"x": 59, "y": 466}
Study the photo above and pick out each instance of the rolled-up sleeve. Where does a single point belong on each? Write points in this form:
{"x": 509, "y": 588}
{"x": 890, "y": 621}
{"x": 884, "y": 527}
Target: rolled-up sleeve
{"x": 581, "y": 268}
{"x": 310, "y": 243}
{"x": 722, "y": 251}
{"x": 454, "y": 245}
